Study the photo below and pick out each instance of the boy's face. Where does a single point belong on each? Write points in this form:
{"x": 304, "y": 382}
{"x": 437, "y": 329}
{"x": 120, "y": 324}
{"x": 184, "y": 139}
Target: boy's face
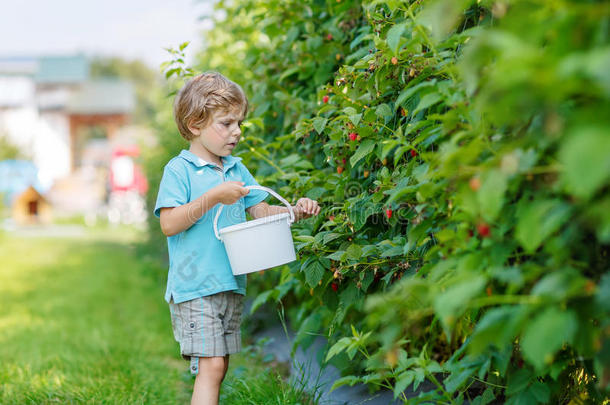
{"x": 220, "y": 136}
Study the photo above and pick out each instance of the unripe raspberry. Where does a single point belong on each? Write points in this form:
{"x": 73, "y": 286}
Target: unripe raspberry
{"x": 475, "y": 183}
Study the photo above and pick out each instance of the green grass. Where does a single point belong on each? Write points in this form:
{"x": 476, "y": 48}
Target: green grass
{"x": 84, "y": 321}
{"x": 256, "y": 379}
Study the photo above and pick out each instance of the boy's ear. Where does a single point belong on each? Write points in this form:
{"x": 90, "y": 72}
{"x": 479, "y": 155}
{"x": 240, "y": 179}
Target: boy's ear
{"x": 195, "y": 130}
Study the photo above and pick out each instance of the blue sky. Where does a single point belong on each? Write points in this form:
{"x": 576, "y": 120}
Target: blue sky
{"x": 127, "y": 28}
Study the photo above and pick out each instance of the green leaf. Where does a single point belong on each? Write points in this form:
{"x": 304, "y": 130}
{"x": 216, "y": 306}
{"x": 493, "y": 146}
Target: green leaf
{"x": 522, "y": 398}
{"x": 383, "y": 111}
{"x": 410, "y": 90}
{"x": 338, "y": 347}
{"x": 539, "y": 219}
{"x": 546, "y": 333}
{"x": 363, "y": 150}
{"x": 338, "y": 255}
{"x": 394, "y": 35}
{"x": 289, "y": 72}
{"x": 426, "y": 101}
{"x": 603, "y": 293}
{"x": 261, "y": 109}
{"x": 560, "y": 284}
{"x": 485, "y": 398}
{"x": 518, "y": 381}
{"x": 305, "y": 238}
{"x": 586, "y": 161}
{"x": 331, "y": 236}
{"x": 498, "y": 327}
{"x": 347, "y": 380}
{"x": 260, "y": 300}
{"x": 355, "y": 118}
{"x": 451, "y": 302}
{"x": 491, "y": 194}
{"x": 354, "y": 252}
{"x": 457, "y": 380}
{"x": 319, "y": 123}
{"x": 541, "y": 392}
{"x": 402, "y": 382}
{"x": 314, "y": 273}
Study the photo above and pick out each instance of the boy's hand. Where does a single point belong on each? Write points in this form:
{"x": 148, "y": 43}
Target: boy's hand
{"x": 230, "y": 192}
{"x": 305, "y": 208}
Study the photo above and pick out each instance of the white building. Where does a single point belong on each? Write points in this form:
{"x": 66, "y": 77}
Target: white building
{"x": 47, "y": 104}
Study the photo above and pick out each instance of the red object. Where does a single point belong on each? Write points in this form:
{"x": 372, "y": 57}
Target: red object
{"x": 388, "y": 213}
{"x": 126, "y": 150}
{"x": 340, "y": 169}
{"x": 413, "y": 152}
{"x": 334, "y": 286}
{"x": 483, "y": 230}
{"x": 125, "y": 174}
{"x": 474, "y": 183}
{"x": 353, "y": 136}
{"x": 329, "y": 37}
{"x": 394, "y": 60}
{"x": 325, "y": 99}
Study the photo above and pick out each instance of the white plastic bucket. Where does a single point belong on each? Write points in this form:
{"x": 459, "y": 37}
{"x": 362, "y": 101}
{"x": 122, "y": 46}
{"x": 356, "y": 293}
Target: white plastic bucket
{"x": 259, "y": 244}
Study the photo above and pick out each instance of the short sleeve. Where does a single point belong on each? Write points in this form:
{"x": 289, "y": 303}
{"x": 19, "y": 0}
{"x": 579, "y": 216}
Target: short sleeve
{"x": 254, "y": 196}
{"x": 173, "y": 191}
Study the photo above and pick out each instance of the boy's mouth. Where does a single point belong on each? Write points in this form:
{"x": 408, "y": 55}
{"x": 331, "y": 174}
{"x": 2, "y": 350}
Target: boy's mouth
{"x": 232, "y": 144}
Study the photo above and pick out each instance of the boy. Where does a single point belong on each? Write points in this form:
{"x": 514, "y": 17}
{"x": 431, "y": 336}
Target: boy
{"x": 205, "y": 299}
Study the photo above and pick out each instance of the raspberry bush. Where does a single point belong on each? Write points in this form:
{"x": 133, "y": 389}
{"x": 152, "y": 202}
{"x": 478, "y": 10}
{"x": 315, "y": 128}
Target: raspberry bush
{"x": 461, "y": 153}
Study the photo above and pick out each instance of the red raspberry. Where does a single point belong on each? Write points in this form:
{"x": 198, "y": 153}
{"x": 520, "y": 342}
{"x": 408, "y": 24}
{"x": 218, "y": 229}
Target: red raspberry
{"x": 334, "y": 286}
{"x": 353, "y": 136}
{"x": 325, "y": 99}
{"x": 388, "y": 213}
{"x": 413, "y": 153}
{"x": 484, "y": 230}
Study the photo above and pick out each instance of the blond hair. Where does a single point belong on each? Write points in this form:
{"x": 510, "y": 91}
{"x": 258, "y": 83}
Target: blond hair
{"x": 202, "y": 96}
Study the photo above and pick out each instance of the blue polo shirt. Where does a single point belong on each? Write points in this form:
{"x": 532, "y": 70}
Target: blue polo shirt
{"x": 198, "y": 262}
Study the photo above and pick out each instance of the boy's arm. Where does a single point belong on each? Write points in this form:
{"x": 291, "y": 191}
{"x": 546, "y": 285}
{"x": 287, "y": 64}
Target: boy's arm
{"x": 177, "y": 219}
{"x": 304, "y": 208}
{"x": 263, "y": 209}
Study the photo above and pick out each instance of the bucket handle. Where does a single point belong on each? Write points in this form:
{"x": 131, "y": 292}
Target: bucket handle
{"x": 273, "y": 193}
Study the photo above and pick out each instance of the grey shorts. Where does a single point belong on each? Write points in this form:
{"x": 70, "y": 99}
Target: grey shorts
{"x": 208, "y": 326}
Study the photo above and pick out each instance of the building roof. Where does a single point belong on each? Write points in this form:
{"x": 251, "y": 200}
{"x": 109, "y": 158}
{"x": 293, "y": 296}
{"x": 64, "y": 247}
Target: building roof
{"x": 107, "y": 96}
{"x": 62, "y": 69}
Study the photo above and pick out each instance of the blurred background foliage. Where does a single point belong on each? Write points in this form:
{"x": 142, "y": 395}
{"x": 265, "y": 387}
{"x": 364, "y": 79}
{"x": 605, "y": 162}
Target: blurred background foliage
{"x": 146, "y": 83}
{"x": 461, "y": 154}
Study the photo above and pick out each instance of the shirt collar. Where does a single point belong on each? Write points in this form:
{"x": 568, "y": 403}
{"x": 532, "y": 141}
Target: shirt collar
{"x": 227, "y": 161}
